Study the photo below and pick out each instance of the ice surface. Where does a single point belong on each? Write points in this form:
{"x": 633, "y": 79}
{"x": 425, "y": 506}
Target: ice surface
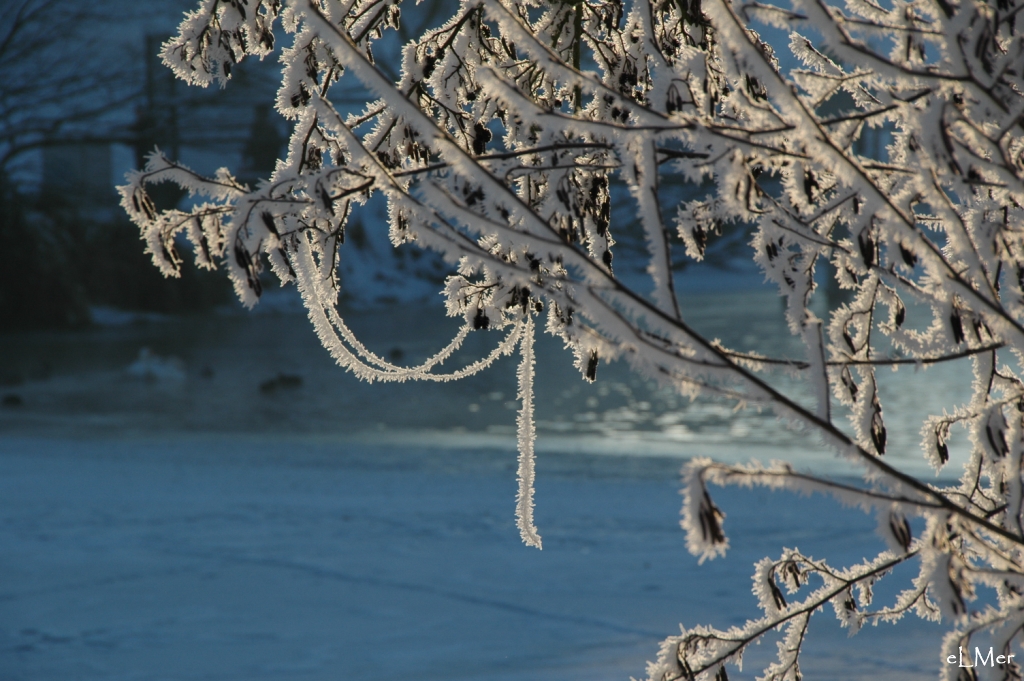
{"x": 261, "y": 558}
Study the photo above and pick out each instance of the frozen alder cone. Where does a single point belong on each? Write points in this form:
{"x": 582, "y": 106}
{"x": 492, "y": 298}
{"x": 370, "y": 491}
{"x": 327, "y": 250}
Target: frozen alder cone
{"x": 501, "y": 146}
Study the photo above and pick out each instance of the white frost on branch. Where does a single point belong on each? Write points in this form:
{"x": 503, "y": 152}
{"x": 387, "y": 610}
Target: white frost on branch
{"x": 517, "y": 124}
{"x": 526, "y": 435}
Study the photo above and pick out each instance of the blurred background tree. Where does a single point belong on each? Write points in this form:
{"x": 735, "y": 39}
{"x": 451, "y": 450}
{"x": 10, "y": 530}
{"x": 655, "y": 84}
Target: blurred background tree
{"x": 50, "y": 92}
{"x": 74, "y": 106}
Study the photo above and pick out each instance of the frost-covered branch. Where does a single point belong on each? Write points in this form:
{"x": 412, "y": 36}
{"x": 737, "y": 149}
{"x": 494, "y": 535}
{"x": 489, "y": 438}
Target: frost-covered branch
{"x": 891, "y": 159}
{"x": 703, "y": 652}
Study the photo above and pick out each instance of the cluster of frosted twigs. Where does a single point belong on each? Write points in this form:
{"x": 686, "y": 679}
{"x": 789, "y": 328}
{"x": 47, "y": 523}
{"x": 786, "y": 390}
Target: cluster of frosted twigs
{"x": 502, "y": 145}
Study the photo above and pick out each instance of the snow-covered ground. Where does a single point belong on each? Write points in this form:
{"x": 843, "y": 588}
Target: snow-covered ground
{"x": 226, "y": 504}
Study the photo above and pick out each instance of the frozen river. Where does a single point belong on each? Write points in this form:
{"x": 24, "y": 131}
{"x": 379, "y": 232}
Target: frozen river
{"x": 241, "y": 509}
{"x": 218, "y": 558}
